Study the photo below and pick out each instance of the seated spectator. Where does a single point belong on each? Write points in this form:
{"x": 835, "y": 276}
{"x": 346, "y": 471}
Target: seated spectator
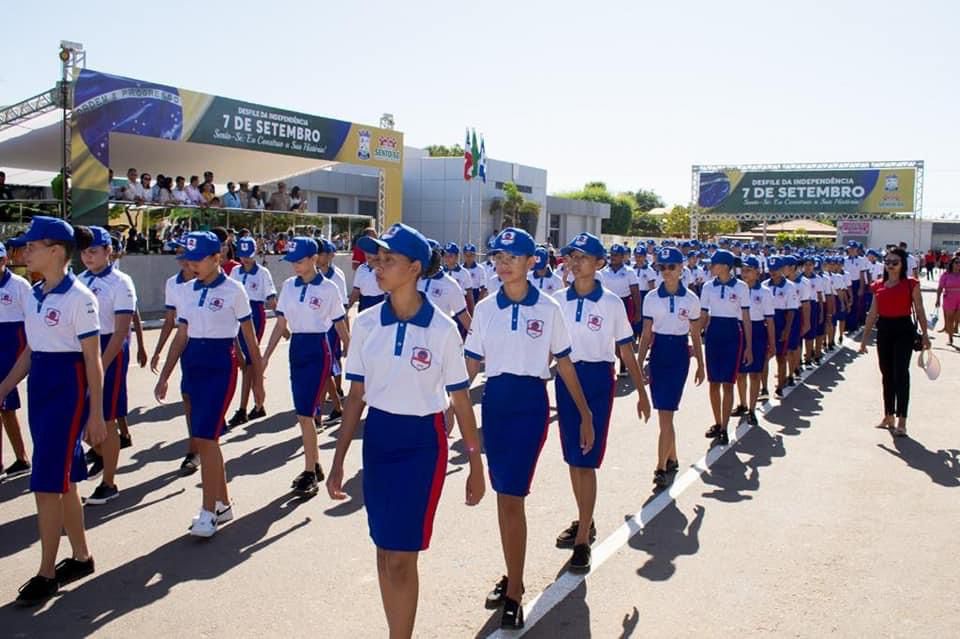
{"x": 255, "y": 201}
{"x": 231, "y": 199}
{"x": 193, "y": 191}
{"x": 133, "y": 190}
{"x": 297, "y": 202}
{"x": 280, "y": 201}
{"x": 179, "y": 193}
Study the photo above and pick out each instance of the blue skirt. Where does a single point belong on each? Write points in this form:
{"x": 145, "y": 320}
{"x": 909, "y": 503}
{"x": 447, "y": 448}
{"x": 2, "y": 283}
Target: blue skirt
{"x": 514, "y": 413}
{"x": 13, "y": 340}
{"x": 669, "y": 366}
{"x": 56, "y": 427}
{"x": 209, "y": 379}
{"x": 115, "y": 380}
{"x": 596, "y": 380}
{"x": 794, "y": 342}
{"x": 758, "y": 345}
{"x": 309, "y": 370}
{"x": 724, "y": 349}
{"x": 259, "y": 318}
{"x": 404, "y": 466}
{"x": 779, "y": 323}
{"x": 366, "y": 301}
{"x": 814, "y": 316}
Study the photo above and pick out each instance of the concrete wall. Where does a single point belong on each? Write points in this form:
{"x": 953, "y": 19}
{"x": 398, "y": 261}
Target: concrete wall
{"x": 150, "y": 273}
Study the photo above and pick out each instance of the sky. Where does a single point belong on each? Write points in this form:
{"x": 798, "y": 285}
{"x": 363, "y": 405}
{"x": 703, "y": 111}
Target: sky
{"x": 631, "y": 93}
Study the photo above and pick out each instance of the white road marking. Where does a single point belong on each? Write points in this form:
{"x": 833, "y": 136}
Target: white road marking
{"x": 538, "y": 607}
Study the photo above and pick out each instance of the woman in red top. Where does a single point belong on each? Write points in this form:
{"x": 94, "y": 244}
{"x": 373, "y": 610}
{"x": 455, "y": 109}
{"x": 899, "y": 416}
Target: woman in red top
{"x": 893, "y": 299}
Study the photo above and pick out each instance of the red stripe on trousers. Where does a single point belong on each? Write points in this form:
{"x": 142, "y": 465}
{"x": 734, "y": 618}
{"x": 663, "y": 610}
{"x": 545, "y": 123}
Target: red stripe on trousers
{"x": 231, "y": 388}
{"x": 439, "y": 472}
{"x": 327, "y": 365}
{"x": 75, "y": 425}
{"x": 543, "y": 438}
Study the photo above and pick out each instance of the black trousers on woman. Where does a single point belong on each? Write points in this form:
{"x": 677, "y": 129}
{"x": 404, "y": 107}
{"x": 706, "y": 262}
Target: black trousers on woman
{"x": 894, "y": 348}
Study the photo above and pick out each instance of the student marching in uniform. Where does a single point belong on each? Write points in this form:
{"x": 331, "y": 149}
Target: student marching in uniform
{"x": 646, "y": 275}
{"x": 763, "y": 337}
{"x": 858, "y": 285}
{"x": 816, "y": 311}
{"x": 117, "y": 302}
{"x": 405, "y": 357}
{"x": 801, "y": 320}
{"x": 786, "y": 304}
{"x": 516, "y": 332}
{"x": 211, "y": 311}
{"x": 725, "y": 304}
{"x": 477, "y": 273}
{"x": 446, "y": 294}
{"x": 693, "y": 273}
{"x": 258, "y": 283}
{"x": 126, "y": 441}
{"x": 599, "y": 328}
{"x": 490, "y": 278}
{"x": 64, "y": 400}
{"x": 327, "y": 250}
{"x": 670, "y": 314}
{"x": 542, "y": 276}
{"x": 310, "y": 305}
{"x": 826, "y": 314}
{"x": 14, "y": 292}
{"x": 173, "y": 289}
{"x": 366, "y": 291}
{"x": 622, "y": 281}
{"x": 451, "y": 267}
{"x": 842, "y": 305}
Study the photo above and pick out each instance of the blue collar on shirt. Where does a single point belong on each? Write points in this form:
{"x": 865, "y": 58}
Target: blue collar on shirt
{"x": 5, "y": 277}
{"x": 180, "y": 278}
{"x": 756, "y": 287}
{"x": 59, "y": 289}
{"x": 593, "y": 296}
{"x": 217, "y": 281}
{"x": 531, "y": 298}
{"x": 107, "y": 271}
{"x": 438, "y": 276}
{"x": 546, "y": 273}
{"x": 662, "y": 290}
{"x": 316, "y": 281}
{"x": 731, "y": 282}
{"x": 614, "y": 270}
{"x": 329, "y": 274}
{"x": 783, "y": 282}
{"x": 421, "y": 318}
{"x": 252, "y": 271}
{"x": 455, "y": 269}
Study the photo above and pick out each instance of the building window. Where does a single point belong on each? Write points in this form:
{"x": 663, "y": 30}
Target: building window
{"x": 367, "y": 207}
{"x": 522, "y": 188}
{"x": 328, "y": 204}
{"x": 553, "y": 233}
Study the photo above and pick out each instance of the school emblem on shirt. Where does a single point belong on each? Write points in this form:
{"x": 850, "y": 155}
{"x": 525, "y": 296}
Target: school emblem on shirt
{"x": 683, "y": 313}
{"x": 421, "y": 358}
{"x": 6, "y": 299}
{"x": 253, "y": 285}
{"x": 733, "y": 297}
{"x": 534, "y": 328}
{"x": 437, "y": 292}
{"x": 594, "y": 322}
{"x": 315, "y": 303}
{"x": 215, "y": 304}
{"x": 52, "y": 317}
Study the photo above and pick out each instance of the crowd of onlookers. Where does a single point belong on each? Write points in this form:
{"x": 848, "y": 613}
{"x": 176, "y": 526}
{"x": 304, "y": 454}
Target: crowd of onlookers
{"x": 936, "y": 259}
{"x": 165, "y": 238}
{"x": 140, "y": 188}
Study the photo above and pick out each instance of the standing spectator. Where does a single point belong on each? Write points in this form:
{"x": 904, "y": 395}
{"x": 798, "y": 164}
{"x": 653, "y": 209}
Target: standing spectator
{"x": 929, "y": 261}
{"x": 155, "y": 191}
{"x": 893, "y": 299}
{"x": 179, "y": 193}
{"x": 297, "y": 202}
{"x": 5, "y": 192}
{"x": 207, "y": 195}
{"x": 162, "y": 191}
{"x": 244, "y": 194}
{"x": 145, "y": 180}
{"x": 133, "y": 191}
{"x": 949, "y": 290}
{"x": 255, "y": 201}
{"x": 208, "y": 179}
{"x": 281, "y": 244}
{"x": 944, "y": 260}
{"x": 359, "y": 257}
{"x": 194, "y": 196}
{"x": 912, "y": 264}
{"x": 279, "y": 201}
{"x": 231, "y": 199}
{"x": 113, "y": 192}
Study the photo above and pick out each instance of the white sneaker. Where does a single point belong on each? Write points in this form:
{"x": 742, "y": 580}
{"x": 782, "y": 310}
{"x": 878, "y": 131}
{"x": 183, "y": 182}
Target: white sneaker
{"x": 224, "y": 513}
{"x": 204, "y": 524}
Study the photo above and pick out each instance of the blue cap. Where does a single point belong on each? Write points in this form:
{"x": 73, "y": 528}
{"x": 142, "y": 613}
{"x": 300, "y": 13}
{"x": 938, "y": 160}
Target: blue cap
{"x": 515, "y": 242}
{"x": 300, "y": 247}
{"x": 852, "y": 244}
{"x": 723, "y": 257}
{"x": 587, "y": 243}
{"x": 469, "y": 248}
{"x": 789, "y": 260}
{"x": 402, "y": 239}
{"x": 17, "y": 242}
{"x": 669, "y": 255}
{"x": 619, "y": 249}
{"x": 48, "y": 228}
{"x": 649, "y": 242}
{"x": 806, "y": 258}
{"x": 199, "y": 244}
{"x": 326, "y": 246}
{"x": 452, "y": 248}
{"x": 775, "y": 263}
{"x": 246, "y": 247}
{"x": 101, "y": 236}
{"x": 737, "y": 244}
{"x": 640, "y": 250}
{"x": 873, "y": 252}
{"x": 491, "y": 241}
{"x": 723, "y": 240}
{"x": 751, "y": 262}
{"x": 685, "y": 244}
{"x": 3, "y": 250}
{"x": 543, "y": 258}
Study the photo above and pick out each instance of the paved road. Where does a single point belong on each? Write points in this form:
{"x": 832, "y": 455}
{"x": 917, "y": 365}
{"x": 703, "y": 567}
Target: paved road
{"x": 814, "y": 524}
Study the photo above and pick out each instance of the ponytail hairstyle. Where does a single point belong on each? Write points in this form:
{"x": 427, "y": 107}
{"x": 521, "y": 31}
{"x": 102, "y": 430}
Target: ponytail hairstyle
{"x": 436, "y": 263}
{"x": 82, "y": 237}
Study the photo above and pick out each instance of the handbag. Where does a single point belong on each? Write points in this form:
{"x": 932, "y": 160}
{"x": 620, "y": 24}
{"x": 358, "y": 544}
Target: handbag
{"x": 917, "y": 337}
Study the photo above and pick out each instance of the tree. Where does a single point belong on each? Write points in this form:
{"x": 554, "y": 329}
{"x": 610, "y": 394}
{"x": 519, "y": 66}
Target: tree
{"x": 621, "y": 206}
{"x": 644, "y": 224}
{"x": 440, "y": 151}
{"x": 800, "y": 238}
{"x": 676, "y": 223}
{"x": 516, "y": 211}
{"x": 647, "y": 200}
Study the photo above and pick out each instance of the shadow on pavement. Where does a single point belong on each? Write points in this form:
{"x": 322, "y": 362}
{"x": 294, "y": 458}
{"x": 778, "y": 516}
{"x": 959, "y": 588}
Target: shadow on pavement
{"x": 941, "y": 466}
{"x": 629, "y": 623}
{"x": 275, "y": 423}
{"x": 668, "y": 536}
{"x": 94, "y": 603}
{"x": 262, "y": 460}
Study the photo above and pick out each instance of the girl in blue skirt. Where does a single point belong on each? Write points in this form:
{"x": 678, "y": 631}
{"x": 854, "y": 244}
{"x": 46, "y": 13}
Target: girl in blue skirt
{"x": 599, "y": 330}
{"x": 366, "y": 291}
{"x": 13, "y": 291}
{"x": 516, "y": 331}
{"x": 763, "y": 339}
{"x": 786, "y": 304}
{"x": 671, "y": 312}
{"x": 309, "y": 305}
{"x": 725, "y": 302}
{"x": 405, "y": 358}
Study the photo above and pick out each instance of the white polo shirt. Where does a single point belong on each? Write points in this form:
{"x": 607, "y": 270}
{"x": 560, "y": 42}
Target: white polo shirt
{"x": 725, "y": 300}
{"x": 816, "y": 288}
{"x": 785, "y": 295}
{"x": 213, "y": 311}
{"x": 646, "y": 277}
{"x": 550, "y": 283}
{"x": 14, "y": 292}
{"x": 478, "y": 275}
{"x": 173, "y": 289}
{"x": 518, "y": 338}
{"x": 761, "y": 303}
{"x": 685, "y": 278}
{"x": 365, "y": 280}
{"x": 493, "y": 283}
{"x": 852, "y": 267}
{"x": 55, "y": 322}
{"x": 912, "y": 264}
{"x": 694, "y": 275}
{"x": 876, "y": 271}
{"x": 619, "y": 282}
{"x": 671, "y": 314}
{"x": 311, "y": 307}
{"x": 258, "y": 282}
{"x": 827, "y": 283}
{"x": 840, "y": 282}
{"x": 804, "y": 289}
{"x": 461, "y": 276}
{"x": 115, "y": 295}
{"x": 597, "y": 323}
{"x": 335, "y": 274}
{"x": 444, "y": 293}
{"x": 406, "y": 367}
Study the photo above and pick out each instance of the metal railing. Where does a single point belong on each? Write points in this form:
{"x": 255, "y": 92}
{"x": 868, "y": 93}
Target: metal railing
{"x": 15, "y": 215}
